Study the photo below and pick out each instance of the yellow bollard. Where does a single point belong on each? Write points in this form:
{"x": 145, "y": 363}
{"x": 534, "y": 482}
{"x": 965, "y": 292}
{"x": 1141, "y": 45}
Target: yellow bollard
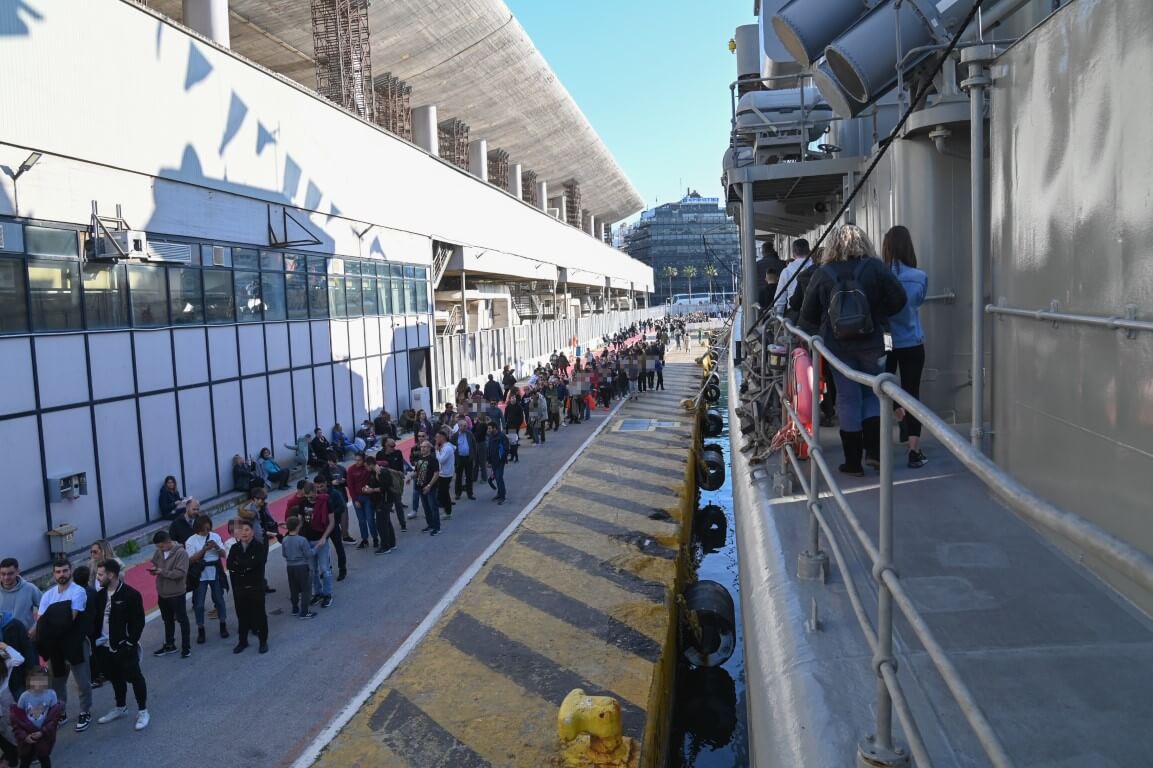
{"x": 589, "y": 728}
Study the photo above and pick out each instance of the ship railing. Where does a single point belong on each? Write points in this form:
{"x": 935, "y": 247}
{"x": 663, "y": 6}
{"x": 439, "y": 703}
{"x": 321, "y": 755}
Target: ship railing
{"x": 891, "y": 591}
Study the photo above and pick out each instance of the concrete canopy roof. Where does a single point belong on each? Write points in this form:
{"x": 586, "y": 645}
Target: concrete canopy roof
{"x": 474, "y": 61}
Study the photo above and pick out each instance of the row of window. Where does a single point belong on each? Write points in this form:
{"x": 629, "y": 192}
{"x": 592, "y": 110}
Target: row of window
{"x": 54, "y": 294}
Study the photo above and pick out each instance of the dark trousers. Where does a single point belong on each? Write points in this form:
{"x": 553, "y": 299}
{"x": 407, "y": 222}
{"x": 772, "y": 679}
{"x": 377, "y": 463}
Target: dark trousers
{"x": 652, "y": 378}
{"x": 661, "y": 379}
{"x": 383, "y": 511}
{"x": 250, "y": 614}
{"x": 29, "y": 758}
{"x": 173, "y": 611}
{"x": 299, "y": 587}
{"x": 123, "y": 669}
{"x": 443, "y": 497}
{"x": 498, "y": 478}
{"x": 911, "y": 362}
{"x": 337, "y": 539}
{"x": 431, "y": 513}
{"x": 464, "y": 471}
{"x": 280, "y": 478}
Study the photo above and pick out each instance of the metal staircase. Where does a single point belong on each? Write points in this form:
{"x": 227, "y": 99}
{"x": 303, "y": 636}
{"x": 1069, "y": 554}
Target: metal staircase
{"x": 441, "y": 254}
{"x": 454, "y": 323}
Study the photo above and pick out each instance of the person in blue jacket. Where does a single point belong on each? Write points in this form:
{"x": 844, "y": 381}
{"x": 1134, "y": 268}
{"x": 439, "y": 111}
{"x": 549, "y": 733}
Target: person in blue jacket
{"x": 908, "y": 354}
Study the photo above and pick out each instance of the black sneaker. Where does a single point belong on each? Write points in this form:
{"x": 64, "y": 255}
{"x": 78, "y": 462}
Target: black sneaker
{"x": 62, "y": 719}
{"x": 83, "y": 720}
{"x": 917, "y": 459}
{"x": 316, "y": 599}
{"x": 308, "y": 615}
{"x": 326, "y": 602}
{"x": 186, "y": 653}
{"x": 363, "y": 544}
{"x": 426, "y": 529}
{"x": 857, "y": 471}
{"x": 434, "y": 533}
{"x": 164, "y": 650}
{"x": 381, "y": 551}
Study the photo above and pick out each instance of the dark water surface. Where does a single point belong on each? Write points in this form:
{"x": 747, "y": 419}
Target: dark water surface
{"x": 710, "y": 727}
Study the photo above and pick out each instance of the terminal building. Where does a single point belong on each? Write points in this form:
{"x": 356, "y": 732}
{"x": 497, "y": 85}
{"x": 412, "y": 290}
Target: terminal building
{"x": 223, "y": 224}
{"x": 693, "y": 232}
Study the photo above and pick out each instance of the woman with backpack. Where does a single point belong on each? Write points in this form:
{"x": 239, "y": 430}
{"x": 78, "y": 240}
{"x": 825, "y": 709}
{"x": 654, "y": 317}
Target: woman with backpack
{"x": 908, "y": 353}
{"x": 848, "y": 302}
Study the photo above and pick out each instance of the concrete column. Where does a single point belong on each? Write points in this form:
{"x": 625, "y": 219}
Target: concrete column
{"x": 515, "y": 180}
{"x": 542, "y": 195}
{"x": 590, "y": 223}
{"x": 424, "y": 133}
{"x": 478, "y": 159}
{"x": 464, "y": 304}
{"x": 209, "y": 18}
{"x": 561, "y": 204}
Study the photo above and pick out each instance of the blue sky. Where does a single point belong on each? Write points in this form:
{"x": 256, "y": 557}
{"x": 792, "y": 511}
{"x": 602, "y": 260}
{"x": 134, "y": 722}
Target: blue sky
{"x": 652, "y": 78}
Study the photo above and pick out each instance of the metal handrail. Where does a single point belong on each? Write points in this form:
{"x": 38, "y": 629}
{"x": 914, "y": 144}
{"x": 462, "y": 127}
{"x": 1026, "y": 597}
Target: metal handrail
{"x": 1130, "y": 561}
{"x": 1127, "y": 322}
{"x": 948, "y": 297}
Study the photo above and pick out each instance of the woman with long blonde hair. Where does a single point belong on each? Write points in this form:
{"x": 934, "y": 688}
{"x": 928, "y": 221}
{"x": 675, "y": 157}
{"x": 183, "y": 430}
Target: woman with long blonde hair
{"x": 848, "y": 303}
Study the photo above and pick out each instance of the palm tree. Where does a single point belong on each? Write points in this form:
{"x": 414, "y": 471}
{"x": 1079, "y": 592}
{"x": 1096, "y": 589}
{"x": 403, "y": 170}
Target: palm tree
{"x": 690, "y": 272}
{"x": 670, "y": 272}
{"x": 710, "y": 271}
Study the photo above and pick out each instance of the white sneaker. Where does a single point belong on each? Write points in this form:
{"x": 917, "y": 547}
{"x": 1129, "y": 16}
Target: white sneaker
{"x": 113, "y": 714}
{"x": 142, "y": 719}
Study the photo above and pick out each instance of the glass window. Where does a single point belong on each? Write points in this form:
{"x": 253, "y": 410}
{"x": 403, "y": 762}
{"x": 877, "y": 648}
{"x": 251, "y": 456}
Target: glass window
{"x": 384, "y": 289}
{"x": 396, "y": 270}
{"x": 352, "y": 267}
{"x": 317, "y": 295}
{"x": 382, "y": 269}
{"x": 13, "y": 298}
{"x": 371, "y": 299}
{"x": 54, "y": 294}
{"x": 246, "y": 287}
{"x": 410, "y": 271}
{"x": 316, "y": 264}
{"x": 352, "y": 293}
{"x": 410, "y": 295}
{"x": 421, "y": 295}
{"x": 397, "y": 296}
{"x": 215, "y": 256}
{"x": 105, "y": 296}
{"x": 219, "y": 301}
{"x": 185, "y": 297}
{"x": 294, "y": 262}
{"x": 149, "y": 295}
{"x": 272, "y": 261}
{"x": 48, "y": 241}
{"x": 336, "y": 266}
{"x": 245, "y": 258}
{"x": 336, "y": 303}
{"x": 296, "y": 295}
{"x": 272, "y": 293}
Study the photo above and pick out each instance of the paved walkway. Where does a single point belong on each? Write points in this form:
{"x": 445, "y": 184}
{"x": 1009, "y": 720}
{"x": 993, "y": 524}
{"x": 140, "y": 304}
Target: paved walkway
{"x": 579, "y": 597}
{"x": 261, "y": 711}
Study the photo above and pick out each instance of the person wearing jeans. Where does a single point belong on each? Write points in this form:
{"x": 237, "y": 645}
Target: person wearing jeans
{"x": 446, "y": 468}
{"x": 358, "y": 475}
{"x": 206, "y": 549}
{"x": 170, "y": 567}
{"x": 424, "y": 482}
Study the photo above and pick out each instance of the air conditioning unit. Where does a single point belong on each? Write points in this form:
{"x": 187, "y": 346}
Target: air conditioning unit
{"x": 122, "y": 244}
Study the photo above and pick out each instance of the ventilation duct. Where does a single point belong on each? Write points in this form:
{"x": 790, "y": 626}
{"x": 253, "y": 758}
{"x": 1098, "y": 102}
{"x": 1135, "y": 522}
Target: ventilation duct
{"x": 864, "y": 59}
{"x": 835, "y": 94}
{"x": 748, "y": 42}
{"x": 806, "y": 27}
{"x": 777, "y": 62}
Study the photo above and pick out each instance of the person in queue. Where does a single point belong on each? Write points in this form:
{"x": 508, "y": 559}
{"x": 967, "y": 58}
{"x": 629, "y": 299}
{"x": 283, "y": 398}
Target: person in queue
{"x": 908, "y": 353}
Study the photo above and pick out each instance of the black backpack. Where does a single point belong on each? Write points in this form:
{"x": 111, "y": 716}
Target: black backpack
{"x": 850, "y": 316}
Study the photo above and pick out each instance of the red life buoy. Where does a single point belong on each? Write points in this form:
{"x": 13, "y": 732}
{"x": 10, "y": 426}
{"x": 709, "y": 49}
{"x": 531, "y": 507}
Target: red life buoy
{"x": 802, "y": 386}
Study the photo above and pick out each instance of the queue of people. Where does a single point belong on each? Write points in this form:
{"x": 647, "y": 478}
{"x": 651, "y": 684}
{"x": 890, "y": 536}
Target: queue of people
{"x": 865, "y": 309}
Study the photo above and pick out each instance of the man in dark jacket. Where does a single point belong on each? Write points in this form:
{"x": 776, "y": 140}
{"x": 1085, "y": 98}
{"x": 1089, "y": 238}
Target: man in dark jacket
{"x": 492, "y": 391}
{"x": 183, "y": 526}
{"x": 497, "y": 458}
{"x": 508, "y": 380}
{"x": 116, "y": 638}
{"x": 391, "y": 458}
{"x": 246, "y": 563}
{"x": 850, "y": 260}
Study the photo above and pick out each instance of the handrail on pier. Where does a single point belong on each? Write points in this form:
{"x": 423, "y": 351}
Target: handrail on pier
{"x": 1128, "y": 560}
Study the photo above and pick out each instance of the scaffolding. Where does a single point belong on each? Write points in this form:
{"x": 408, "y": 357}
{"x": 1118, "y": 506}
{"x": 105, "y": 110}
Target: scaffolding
{"x": 528, "y": 187}
{"x": 394, "y": 105}
{"x": 452, "y": 139}
{"x": 342, "y": 54}
{"x": 572, "y": 195}
{"x": 498, "y": 168}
